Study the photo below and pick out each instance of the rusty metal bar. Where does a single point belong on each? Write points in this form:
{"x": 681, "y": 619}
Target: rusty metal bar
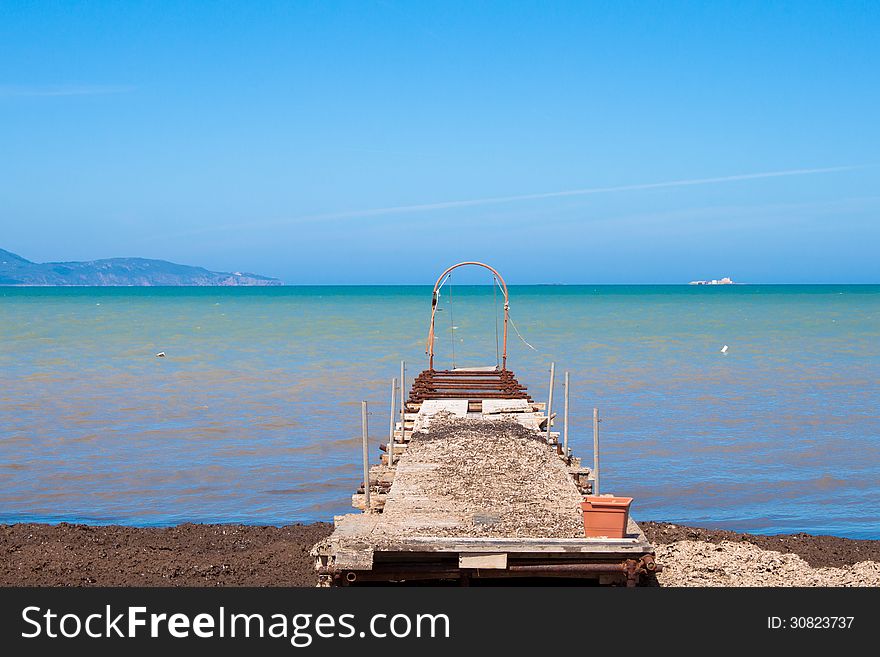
{"x": 565, "y": 421}
{"x": 402, "y": 399}
{"x": 447, "y": 377}
{"x": 391, "y": 422}
{"x": 550, "y": 399}
{"x": 416, "y": 398}
{"x": 429, "y": 376}
{"x": 468, "y": 372}
{"x": 461, "y": 381}
{"x": 465, "y": 374}
{"x": 572, "y": 568}
{"x": 365, "y": 434}
{"x": 595, "y": 451}
{"x": 630, "y": 569}
{"x": 443, "y": 383}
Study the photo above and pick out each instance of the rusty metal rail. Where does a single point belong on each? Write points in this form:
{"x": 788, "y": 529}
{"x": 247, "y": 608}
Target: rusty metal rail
{"x": 629, "y": 571}
{"x": 467, "y": 384}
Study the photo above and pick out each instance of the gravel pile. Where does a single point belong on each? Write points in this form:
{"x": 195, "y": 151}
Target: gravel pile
{"x": 698, "y": 563}
{"x": 502, "y": 474}
{"x": 817, "y": 551}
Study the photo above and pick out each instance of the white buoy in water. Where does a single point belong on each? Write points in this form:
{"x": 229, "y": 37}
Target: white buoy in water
{"x": 724, "y": 349}
{"x": 161, "y": 354}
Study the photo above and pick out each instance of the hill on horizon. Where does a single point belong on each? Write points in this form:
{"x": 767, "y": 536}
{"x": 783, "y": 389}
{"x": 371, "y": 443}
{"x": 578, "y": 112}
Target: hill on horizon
{"x": 18, "y": 271}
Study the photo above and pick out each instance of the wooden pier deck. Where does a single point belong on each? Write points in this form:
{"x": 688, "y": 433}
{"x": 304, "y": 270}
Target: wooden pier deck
{"x": 477, "y": 489}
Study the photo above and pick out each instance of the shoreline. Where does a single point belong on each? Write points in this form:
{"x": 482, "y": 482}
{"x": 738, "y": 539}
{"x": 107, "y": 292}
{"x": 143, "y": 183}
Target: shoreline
{"x": 35, "y": 554}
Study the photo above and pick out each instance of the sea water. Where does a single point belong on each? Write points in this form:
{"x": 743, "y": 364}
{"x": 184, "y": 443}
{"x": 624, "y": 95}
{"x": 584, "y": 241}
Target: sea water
{"x": 253, "y": 415}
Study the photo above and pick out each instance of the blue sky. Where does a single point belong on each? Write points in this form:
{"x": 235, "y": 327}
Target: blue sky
{"x": 329, "y": 142}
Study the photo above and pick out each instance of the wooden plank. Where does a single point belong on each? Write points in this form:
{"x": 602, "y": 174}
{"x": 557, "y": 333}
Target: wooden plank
{"x": 365, "y": 528}
{"x": 494, "y": 406}
{"x": 484, "y": 560}
{"x": 376, "y": 501}
{"x": 353, "y": 558}
{"x": 354, "y": 525}
{"x": 584, "y": 546}
{"x": 430, "y": 407}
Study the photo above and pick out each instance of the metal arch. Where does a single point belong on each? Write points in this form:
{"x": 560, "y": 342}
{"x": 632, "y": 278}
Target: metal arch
{"x": 429, "y": 349}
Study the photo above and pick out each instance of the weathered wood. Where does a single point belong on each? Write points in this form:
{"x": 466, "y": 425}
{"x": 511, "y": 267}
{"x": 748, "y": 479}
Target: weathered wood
{"x": 635, "y": 543}
{"x": 353, "y": 559}
{"x": 418, "y": 524}
{"x": 520, "y": 545}
{"x": 476, "y": 396}
{"x": 484, "y": 560}
{"x": 433, "y": 406}
{"x": 381, "y": 475}
{"x": 495, "y": 406}
{"x": 358, "y": 501}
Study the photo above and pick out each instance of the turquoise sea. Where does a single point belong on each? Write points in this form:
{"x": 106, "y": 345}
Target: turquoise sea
{"x": 254, "y": 414}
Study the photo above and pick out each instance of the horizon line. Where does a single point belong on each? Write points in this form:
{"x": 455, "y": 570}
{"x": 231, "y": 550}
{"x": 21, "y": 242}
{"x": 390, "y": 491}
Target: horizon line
{"x": 425, "y": 285}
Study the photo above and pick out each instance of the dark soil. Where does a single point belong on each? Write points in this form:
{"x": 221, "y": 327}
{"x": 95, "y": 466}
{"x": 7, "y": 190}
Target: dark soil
{"x": 244, "y": 555}
{"x": 818, "y": 551}
{"x": 185, "y": 555}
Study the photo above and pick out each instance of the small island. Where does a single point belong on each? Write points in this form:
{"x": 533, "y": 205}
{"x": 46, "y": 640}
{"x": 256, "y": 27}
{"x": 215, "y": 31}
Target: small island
{"x": 18, "y": 271}
{"x": 715, "y": 281}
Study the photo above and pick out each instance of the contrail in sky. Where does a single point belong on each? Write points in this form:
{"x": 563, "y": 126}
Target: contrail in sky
{"x": 443, "y": 205}
{"x": 584, "y": 192}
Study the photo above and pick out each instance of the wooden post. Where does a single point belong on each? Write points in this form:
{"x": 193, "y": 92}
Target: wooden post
{"x": 565, "y": 422}
{"x": 391, "y": 422}
{"x": 595, "y": 451}
{"x": 365, "y": 431}
{"x": 402, "y": 400}
{"x": 550, "y": 399}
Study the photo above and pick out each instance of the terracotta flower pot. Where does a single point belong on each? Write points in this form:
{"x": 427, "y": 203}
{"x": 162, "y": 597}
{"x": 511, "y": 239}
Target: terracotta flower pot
{"x": 605, "y": 516}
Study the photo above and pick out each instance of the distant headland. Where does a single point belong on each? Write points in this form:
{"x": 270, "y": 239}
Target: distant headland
{"x": 15, "y": 270}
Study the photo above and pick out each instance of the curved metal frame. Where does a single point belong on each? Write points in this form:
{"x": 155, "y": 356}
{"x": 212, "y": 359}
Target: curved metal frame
{"x": 430, "y": 346}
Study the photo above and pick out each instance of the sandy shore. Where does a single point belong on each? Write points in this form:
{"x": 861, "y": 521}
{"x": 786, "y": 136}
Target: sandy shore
{"x": 241, "y": 555}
